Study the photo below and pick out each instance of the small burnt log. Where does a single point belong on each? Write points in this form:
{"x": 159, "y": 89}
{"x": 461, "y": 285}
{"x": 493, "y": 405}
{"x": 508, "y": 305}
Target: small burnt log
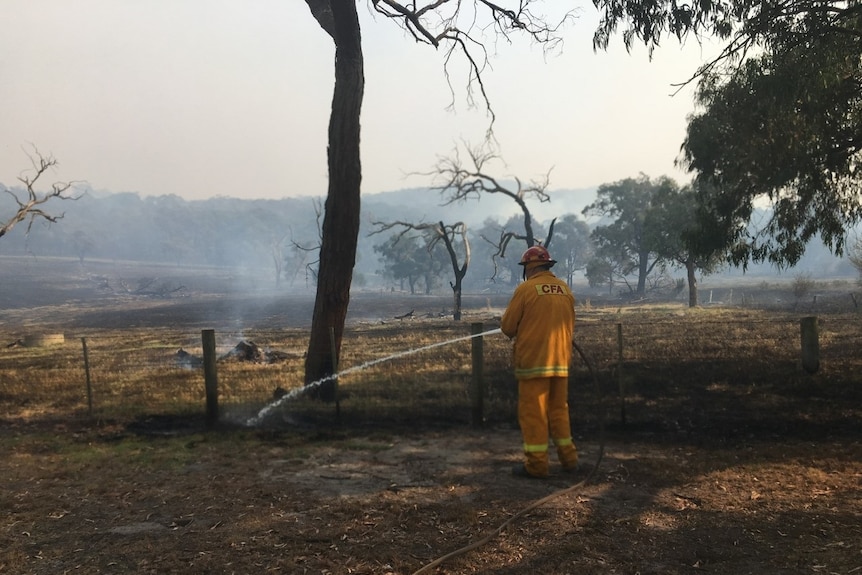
{"x": 273, "y": 356}
{"x": 408, "y": 315}
{"x": 250, "y": 351}
{"x": 246, "y": 351}
{"x": 187, "y": 360}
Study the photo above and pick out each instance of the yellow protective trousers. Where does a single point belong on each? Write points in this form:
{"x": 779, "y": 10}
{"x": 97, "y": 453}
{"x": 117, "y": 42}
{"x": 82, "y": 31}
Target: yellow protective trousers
{"x": 543, "y": 408}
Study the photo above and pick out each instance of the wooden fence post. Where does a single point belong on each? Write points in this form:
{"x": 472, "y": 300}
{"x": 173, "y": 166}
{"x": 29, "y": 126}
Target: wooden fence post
{"x": 87, "y": 372}
{"x": 478, "y": 387}
{"x": 210, "y": 376}
{"x": 810, "y": 344}
{"x": 620, "y": 377}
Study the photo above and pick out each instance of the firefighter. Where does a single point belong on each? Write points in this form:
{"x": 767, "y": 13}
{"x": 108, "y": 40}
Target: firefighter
{"x": 541, "y": 318}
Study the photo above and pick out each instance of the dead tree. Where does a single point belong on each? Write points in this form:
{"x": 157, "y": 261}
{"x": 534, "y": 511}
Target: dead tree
{"x": 458, "y": 182}
{"x": 30, "y": 202}
{"x": 448, "y": 235}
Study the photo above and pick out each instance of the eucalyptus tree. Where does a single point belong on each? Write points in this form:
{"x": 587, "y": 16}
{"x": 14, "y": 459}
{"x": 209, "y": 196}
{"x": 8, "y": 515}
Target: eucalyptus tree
{"x": 83, "y": 244}
{"x": 781, "y": 131}
{"x": 677, "y": 234}
{"x": 629, "y": 237}
{"x": 606, "y": 267}
{"x": 455, "y": 27}
{"x": 407, "y": 259}
{"x": 573, "y": 247}
{"x": 781, "y": 118}
{"x": 652, "y": 225}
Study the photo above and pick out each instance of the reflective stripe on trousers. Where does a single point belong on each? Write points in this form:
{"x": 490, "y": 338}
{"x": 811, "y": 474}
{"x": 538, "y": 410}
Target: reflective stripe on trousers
{"x": 543, "y": 410}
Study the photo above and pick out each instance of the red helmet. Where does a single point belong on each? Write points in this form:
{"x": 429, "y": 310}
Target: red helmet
{"x": 536, "y": 255}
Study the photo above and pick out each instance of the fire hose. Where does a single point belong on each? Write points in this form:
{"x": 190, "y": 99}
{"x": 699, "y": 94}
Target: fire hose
{"x": 538, "y": 503}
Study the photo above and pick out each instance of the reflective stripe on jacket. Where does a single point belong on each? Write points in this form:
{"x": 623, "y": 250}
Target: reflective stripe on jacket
{"x": 541, "y": 318}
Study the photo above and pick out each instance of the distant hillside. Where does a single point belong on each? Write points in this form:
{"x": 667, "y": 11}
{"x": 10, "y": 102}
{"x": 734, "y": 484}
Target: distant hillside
{"x": 253, "y": 234}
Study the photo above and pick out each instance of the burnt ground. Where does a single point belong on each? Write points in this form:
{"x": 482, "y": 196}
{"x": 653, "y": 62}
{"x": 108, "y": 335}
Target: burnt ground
{"x": 759, "y": 480}
{"x": 103, "y": 500}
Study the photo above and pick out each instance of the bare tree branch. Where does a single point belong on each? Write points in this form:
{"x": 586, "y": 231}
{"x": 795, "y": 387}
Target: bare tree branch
{"x": 463, "y": 28}
{"x": 459, "y": 182}
{"x": 310, "y": 266}
{"x": 30, "y": 203}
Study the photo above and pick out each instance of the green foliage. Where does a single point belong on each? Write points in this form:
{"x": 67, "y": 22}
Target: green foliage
{"x": 781, "y": 121}
{"x": 628, "y": 241}
{"x": 654, "y": 226}
{"x": 680, "y": 237}
{"x": 784, "y": 128}
{"x": 572, "y": 247}
{"x": 744, "y": 24}
{"x": 601, "y": 271}
{"x": 408, "y": 258}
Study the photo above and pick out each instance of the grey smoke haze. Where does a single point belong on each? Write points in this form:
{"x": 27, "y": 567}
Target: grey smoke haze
{"x": 245, "y": 235}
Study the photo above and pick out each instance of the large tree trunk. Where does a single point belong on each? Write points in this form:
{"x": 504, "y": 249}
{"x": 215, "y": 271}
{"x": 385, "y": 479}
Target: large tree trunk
{"x": 456, "y": 292}
{"x": 692, "y": 283}
{"x": 643, "y": 270}
{"x": 341, "y": 216}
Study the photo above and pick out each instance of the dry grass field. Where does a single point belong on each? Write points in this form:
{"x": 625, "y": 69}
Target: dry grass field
{"x": 706, "y": 447}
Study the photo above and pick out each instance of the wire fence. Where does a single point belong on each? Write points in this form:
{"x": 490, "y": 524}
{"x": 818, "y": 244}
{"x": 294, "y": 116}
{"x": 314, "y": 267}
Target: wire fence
{"x": 411, "y": 373}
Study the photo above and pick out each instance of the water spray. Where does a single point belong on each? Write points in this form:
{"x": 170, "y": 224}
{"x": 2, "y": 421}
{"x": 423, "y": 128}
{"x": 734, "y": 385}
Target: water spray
{"x": 253, "y": 421}
{"x": 267, "y": 409}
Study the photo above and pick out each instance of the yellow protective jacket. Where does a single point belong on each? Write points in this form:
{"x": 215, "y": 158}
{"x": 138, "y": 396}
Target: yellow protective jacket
{"x": 541, "y": 318}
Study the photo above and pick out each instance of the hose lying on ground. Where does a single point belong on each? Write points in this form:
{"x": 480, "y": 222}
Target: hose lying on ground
{"x": 542, "y": 501}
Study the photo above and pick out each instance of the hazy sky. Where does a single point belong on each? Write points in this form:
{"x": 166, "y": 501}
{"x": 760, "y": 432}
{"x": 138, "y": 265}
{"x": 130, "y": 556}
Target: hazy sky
{"x": 231, "y": 97}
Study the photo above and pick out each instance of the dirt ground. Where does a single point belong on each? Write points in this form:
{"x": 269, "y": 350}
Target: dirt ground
{"x": 392, "y": 503}
{"x": 755, "y": 485}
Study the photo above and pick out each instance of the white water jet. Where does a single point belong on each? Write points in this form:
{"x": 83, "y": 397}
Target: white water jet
{"x": 267, "y": 409}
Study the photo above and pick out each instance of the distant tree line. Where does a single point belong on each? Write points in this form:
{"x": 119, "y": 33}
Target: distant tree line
{"x": 632, "y": 246}
{"x": 216, "y": 232}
